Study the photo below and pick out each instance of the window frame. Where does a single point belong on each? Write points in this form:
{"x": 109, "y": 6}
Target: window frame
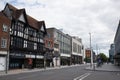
{"x": 3, "y": 43}
{"x": 5, "y": 28}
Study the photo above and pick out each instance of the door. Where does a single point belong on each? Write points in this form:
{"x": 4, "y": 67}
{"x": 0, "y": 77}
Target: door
{"x": 2, "y": 63}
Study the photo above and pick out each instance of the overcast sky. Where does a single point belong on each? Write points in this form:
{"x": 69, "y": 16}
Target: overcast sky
{"x": 76, "y": 17}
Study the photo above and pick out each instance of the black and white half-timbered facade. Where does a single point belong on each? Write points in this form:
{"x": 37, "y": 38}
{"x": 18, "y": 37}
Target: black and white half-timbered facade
{"x": 26, "y": 45}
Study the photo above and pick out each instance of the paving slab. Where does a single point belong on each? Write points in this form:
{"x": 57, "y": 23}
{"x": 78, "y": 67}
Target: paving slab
{"x": 105, "y": 67}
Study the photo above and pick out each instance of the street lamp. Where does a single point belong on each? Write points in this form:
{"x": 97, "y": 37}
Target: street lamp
{"x": 45, "y": 55}
{"x": 91, "y": 52}
{"x": 8, "y": 50}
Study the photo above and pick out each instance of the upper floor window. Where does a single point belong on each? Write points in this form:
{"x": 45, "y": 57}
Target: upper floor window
{"x": 49, "y": 44}
{"x": 26, "y": 31}
{"x": 79, "y": 49}
{"x": 11, "y": 40}
{"x": 41, "y": 40}
{"x": 20, "y": 34}
{"x": 49, "y": 35}
{"x": 3, "y": 43}
{"x": 74, "y": 47}
{"x": 25, "y": 44}
{"x": 30, "y": 31}
{"x": 35, "y": 46}
{"x": 5, "y": 27}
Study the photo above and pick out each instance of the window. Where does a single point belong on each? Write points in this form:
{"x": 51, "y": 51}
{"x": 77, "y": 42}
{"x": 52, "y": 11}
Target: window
{"x": 19, "y": 42}
{"x": 79, "y": 49}
{"x": 34, "y": 33}
{"x": 49, "y": 44}
{"x": 56, "y": 45}
{"x": 41, "y": 40}
{"x": 11, "y": 40}
{"x": 15, "y": 32}
{"x": 30, "y": 32}
{"x": 25, "y": 44}
{"x": 26, "y": 31}
{"x": 35, "y": 46}
{"x": 5, "y": 28}
{"x": 25, "y": 36}
{"x": 3, "y": 43}
{"x": 20, "y": 34}
{"x": 35, "y": 39}
{"x": 74, "y": 47}
{"x": 49, "y": 35}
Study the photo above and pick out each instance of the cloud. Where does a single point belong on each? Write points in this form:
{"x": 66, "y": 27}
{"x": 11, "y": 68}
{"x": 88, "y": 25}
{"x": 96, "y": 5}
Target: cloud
{"x": 76, "y": 17}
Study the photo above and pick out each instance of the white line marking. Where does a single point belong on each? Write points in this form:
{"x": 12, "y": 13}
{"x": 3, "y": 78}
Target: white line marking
{"x": 82, "y": 76}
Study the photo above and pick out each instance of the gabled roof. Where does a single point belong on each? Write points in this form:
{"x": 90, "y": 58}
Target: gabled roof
{"x": 5, "y": 19}
{"x": 11, "y": 7}
{"x": 18, "y": 13}
{"x": 31, "y": 21}
{"x": 42, "y": 23}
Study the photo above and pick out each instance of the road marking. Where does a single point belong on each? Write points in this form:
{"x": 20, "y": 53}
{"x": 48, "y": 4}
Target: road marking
{"x": 82, "y": 76}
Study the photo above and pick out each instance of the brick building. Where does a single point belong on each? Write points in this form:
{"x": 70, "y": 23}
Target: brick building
{"x": 4, "y": 40}
{"x": 49, "y": 44}
{"x": 88, "y": 55}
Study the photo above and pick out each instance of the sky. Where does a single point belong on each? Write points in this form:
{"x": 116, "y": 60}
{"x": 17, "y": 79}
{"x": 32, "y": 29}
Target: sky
{"x": 77, "y": 18}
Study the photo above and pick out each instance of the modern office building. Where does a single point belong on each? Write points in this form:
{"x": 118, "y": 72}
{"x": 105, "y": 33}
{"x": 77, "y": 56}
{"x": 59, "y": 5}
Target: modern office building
{"x": 117, "y": 45}
{"x": 64, "y": 41}
{"x": 21, "y": 38}
{"x": 111, "y": 53}
{"x": 77, "y": 51}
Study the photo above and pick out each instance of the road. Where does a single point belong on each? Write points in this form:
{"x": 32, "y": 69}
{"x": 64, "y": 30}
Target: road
{"x": 70, "y": 73}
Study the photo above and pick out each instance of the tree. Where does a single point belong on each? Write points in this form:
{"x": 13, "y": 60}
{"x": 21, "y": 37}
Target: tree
{"x": 103, "y": 57}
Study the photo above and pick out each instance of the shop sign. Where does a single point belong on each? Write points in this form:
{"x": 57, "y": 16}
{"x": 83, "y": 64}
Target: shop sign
{"x": 39, "y": 56}
{"x": 19, "y": 55}
{"x": 29, "y": 56}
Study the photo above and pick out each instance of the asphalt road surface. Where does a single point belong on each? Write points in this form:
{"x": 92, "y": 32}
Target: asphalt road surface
{"x": 70, "y": 73}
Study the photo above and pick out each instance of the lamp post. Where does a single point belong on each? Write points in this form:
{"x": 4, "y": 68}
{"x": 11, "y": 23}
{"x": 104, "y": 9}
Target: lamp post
{"x": 91, "y": 52}
{"x": 7, "y": 62}
{"x": 8, "y": 50}
{"x": 45, "y": 55}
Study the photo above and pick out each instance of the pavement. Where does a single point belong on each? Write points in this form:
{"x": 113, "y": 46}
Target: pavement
{"x": 105, "y": 67}
{"x": 18, "y": 71}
